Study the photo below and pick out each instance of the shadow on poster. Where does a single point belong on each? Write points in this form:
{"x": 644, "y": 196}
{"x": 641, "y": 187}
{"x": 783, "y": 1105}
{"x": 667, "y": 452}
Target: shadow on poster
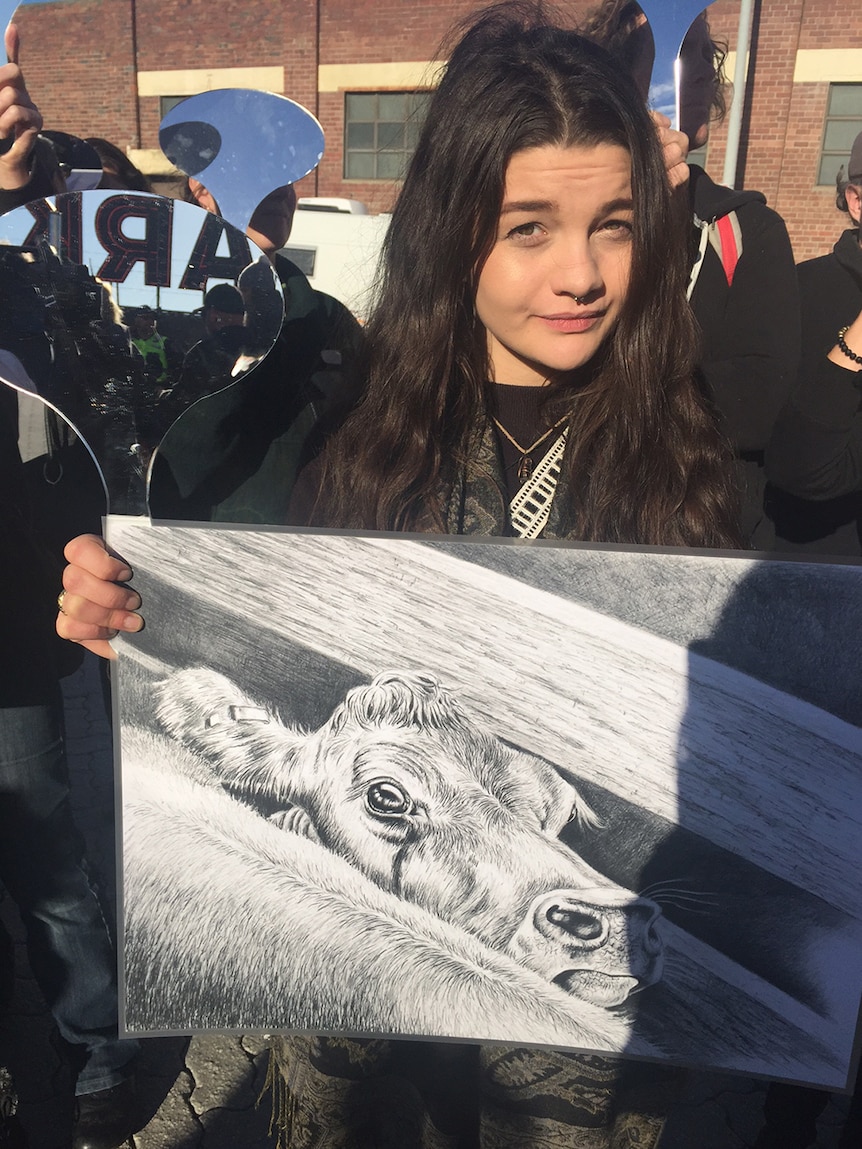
{"x": 560, "y": 795}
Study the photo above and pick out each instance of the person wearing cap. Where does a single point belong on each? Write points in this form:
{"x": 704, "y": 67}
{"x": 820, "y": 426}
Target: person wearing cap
{"x": 215, "y": 357}
{"x": 223, "y": 307}
{"x": 815, "y": 458}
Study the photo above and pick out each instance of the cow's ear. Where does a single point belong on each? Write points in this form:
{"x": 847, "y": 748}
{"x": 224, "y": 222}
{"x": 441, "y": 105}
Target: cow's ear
{"x": 542, "y": 790}
{"x": 580, "y": 811}
{"x": 245, "y": 744}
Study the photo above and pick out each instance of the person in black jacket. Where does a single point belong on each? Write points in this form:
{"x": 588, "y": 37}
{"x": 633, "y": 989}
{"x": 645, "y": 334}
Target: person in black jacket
{"x": 42, "y": 862}
{"x": 816, "y": 453}
{"x": 745, "y": 300}
{"x": 743, "y": 286}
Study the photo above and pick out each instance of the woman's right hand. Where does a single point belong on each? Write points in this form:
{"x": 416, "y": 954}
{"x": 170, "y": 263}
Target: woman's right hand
{"x": 96, "y": 606}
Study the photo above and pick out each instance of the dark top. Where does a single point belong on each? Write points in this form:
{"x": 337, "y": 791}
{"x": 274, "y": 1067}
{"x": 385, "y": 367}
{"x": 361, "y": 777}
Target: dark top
{"x": 522, "y": 411}
{"x": 750, "y": 349}
{"x": 209, "y": 360}
{"x": 30, "y": 579}
{"x": 816, "y": 451}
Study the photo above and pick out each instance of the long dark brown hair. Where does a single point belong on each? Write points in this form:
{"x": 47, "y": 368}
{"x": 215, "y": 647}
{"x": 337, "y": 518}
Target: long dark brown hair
{"x": 644, "y": 461}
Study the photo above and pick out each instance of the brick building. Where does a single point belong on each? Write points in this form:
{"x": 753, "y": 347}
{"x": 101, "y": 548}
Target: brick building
{"x": 112, "y": 67}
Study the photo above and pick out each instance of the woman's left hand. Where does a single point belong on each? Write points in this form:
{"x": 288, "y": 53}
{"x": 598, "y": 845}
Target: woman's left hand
{"x": 20, "y": 121}
{"x": 675, "y": 148}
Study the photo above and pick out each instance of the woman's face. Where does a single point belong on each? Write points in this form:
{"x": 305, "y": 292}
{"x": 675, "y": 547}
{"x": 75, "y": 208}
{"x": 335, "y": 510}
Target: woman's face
{"x": 551, "y": 290}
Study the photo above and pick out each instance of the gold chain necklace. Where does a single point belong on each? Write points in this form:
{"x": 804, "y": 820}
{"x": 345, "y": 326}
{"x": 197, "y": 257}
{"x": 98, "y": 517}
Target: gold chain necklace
{"x": 525, "y": 467}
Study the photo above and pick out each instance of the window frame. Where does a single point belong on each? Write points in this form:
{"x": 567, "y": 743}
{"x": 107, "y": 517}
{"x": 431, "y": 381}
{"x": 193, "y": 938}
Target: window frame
{"x": 168, "y": 103}
{"x": 415, "y": 107}
{"x": 840, "y": 158}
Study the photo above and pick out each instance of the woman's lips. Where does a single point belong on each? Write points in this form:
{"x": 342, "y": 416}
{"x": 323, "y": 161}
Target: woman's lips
{"x": 570, "y": 324}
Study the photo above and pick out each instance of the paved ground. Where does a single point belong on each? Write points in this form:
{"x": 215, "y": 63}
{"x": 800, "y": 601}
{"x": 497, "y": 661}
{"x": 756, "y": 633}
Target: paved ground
{"x": 203, "y": 1092}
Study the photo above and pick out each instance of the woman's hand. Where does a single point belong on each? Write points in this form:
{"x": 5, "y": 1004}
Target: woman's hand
{"x": 95, "y": 604}
{"x": 675, "y": 147}
{"x": 20, "y": 121}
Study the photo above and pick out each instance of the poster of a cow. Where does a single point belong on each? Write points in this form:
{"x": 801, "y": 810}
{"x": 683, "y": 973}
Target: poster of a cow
{"x": 594, "y": 798}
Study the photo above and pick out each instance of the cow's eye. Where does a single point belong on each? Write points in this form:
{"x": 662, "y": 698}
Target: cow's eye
{"x": 388, "y": 800}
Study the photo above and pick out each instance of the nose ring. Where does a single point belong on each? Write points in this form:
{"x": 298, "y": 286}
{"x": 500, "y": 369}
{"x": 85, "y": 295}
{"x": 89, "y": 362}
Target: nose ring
{"x": 579, "y": 298}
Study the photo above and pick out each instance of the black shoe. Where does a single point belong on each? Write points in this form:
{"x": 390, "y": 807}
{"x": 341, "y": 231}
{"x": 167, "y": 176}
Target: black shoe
{"x": 106, "y": 1119}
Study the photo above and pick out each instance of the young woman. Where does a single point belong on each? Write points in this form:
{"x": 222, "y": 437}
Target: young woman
{"x": 533, "y": 279}
{"x": 531, "y": 335}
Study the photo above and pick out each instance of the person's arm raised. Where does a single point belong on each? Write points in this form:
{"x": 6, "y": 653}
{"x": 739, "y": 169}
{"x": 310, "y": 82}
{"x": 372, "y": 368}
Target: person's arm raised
{"x": 96, "y": 605}
{"x": 20, "y": 121}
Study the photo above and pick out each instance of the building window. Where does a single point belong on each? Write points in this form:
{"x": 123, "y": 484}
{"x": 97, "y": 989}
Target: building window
{"x": 380, "y": 133}
{"x": 843, "y": 125}
{"x": 166, "y": 103}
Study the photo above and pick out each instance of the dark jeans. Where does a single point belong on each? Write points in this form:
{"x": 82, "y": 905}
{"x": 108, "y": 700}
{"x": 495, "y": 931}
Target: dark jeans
{"x": 42, "y": 866}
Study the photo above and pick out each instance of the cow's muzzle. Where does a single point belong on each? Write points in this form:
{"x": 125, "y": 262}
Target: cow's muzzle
{"x": 598, "y": 945}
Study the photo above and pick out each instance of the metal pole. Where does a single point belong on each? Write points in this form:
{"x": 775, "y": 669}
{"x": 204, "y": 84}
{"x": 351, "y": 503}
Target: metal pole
{"x": 734, "y": 120}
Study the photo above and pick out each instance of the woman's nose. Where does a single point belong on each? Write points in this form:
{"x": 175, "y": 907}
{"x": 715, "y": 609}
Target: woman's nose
{"x": 576, "y": 273}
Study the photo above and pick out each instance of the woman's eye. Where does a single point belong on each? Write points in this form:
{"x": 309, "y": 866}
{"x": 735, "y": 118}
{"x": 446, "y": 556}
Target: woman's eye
{"x": 525, "y": 232}
{"x": 388, "y": 800}
{"x": 617, "y": 227}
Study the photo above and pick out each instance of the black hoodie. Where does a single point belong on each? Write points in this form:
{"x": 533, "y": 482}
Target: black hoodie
{"x": 750, "y": 326}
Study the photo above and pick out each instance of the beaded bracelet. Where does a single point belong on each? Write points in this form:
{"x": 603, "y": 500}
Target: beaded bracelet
{"x": 845, "y": 350}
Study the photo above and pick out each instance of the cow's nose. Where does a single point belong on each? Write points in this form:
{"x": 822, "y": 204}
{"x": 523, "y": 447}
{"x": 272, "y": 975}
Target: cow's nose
{"x": 574, "y": 920}
{"x": 584, "y": 926}
{"x": 645, "y": 917}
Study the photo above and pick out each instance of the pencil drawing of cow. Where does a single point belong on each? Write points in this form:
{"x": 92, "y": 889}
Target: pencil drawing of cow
{"x": 405, "y": 785}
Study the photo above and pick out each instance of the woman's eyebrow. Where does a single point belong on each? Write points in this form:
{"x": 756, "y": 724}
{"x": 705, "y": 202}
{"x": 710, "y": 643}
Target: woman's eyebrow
{"x": 528, "y": 205}
{"x": 622, "y": 203}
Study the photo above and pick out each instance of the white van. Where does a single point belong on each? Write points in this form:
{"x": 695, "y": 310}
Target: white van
{"x": 338, "y": 251}
{"x": 331, "y": 203}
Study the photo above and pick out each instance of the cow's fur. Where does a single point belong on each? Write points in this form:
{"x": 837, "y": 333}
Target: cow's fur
{"x": 406, "y": 787}
{"x": 232, "y": 923}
